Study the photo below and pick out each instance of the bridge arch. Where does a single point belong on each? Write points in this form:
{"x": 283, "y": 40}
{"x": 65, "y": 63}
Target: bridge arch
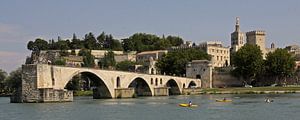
{"x": 101, "y": 88}
{"x": 192, "y": 84}
{"x": 173, "y": 87}
{"x": 141, "y": 86}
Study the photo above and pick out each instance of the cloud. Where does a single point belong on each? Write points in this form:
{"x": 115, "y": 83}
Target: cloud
{"x": 11, "y": 60}
{"x": 13, "y": 33}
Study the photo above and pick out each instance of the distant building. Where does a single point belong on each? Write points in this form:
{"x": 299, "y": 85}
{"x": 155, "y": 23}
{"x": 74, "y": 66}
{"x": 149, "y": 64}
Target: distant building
{"x": 149, "y": 59}
{"x": 200, "y": 69}
{"x": 258, "y": 38}
{"x": 237, "y": 38}
{"x": 220, "y": 55}
{"x": 125, "y": 57}
{"x": 155, "y": 55}
{"x": 74, "y": 61}
{"x": 272, "y": 49}
{"x": 293, "y": 49}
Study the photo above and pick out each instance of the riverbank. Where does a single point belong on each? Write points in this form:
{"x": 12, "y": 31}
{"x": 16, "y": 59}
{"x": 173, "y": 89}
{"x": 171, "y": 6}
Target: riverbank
{"x": 253, "y": 90}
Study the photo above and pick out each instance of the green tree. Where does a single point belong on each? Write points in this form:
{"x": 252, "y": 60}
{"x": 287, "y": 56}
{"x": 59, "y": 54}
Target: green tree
{"x": 101, "y": 39}
{"x": 37, "y": 45}
{"x": 125, "y": 65}
{"x": 280, "y": 63}
{"x": 175, "y": 41}
{"x": 60, "y": 62}
{"x": 3, "y": 75}
{"x": 90, "y": 42}
{"x": 76, "y": 43}
{"x": 14, "y": 80}
{"x": 108, "y": 61}
{"x": 88, "y": 58}
{"x": 175, "y": 62}
{"x": 249, "y": 62}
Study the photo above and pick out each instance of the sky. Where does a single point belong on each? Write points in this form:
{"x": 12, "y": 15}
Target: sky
{"x": 193, "y": 20}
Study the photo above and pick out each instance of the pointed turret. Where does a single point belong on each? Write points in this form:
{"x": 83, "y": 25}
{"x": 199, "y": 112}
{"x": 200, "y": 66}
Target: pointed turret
{"x": 237, "y": 24}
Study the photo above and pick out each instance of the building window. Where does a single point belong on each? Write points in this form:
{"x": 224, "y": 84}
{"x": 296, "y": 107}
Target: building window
{"x": 156, "y": 81}
{"x": 160, "y": 81}
{"x": 217, "y": 51}
{"x": 203, "y": 70}
{"x": 118, "y": 82}
{"x": 221, "y": 58}
{"x": 151, "y": 81}
{"x": 217, "y": 57}
{"x": 212, "y": 50}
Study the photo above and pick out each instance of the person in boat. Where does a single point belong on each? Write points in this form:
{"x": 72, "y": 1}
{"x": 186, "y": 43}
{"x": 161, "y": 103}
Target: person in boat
{"x": 224, "y": 99}
{"x": 267, "y": 100}
{"x": 190, "y": 103}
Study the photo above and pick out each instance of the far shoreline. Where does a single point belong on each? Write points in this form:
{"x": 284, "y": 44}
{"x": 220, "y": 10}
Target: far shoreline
{"x": 243, "y": 90}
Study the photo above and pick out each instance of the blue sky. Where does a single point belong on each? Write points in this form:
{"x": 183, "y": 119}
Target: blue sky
{"x": 194, "y": 20}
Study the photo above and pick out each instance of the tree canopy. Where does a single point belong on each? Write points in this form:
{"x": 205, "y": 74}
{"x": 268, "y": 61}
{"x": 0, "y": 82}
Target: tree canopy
{"x": 108, "y": 61}
{"x": 88, "y": 58}
{"x": 249, "y": 62}
{"x": 103, "y": 41}
{"x": 14, "y": 80}
{"x": 3, "y": 75}
{"x": 147, "y": 42}
{"x": 125, "y": 65}
{"x": 175, "y": 62}
{"x": 280, "y": 63}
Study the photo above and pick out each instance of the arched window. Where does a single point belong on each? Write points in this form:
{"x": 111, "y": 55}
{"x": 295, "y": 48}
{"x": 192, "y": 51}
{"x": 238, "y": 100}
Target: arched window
{"x": 183, "y": 85}
{"x": 151, "y": 81}
{"x": 118, "y": 82}
{"x": 152, "y": 71}
{"x": 156, "y": 81}
{"x": 160, "y": 81}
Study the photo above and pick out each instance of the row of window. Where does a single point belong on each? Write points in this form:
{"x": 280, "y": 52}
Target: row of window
{"x": 220, "y": 51}
{"x": 221, "y": 58}
{"x": 156, "y": 81}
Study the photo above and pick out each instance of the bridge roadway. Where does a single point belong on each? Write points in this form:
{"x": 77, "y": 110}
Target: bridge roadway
{"x": 46, "y": 83}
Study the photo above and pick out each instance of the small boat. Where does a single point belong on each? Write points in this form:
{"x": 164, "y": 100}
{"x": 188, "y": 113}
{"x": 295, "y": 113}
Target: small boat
{"x": 187, "y": 105}
{"x": 222, "y": 100}
{"x": 269, "y": 101}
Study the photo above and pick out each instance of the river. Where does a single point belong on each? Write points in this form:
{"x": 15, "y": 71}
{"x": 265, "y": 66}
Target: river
{"x": 243, "y": 107}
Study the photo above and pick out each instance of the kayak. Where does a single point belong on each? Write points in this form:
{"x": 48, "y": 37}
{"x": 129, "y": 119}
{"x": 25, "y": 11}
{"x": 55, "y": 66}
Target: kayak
{"x": 221, "y": 100}
{"x": 187, "y": 105}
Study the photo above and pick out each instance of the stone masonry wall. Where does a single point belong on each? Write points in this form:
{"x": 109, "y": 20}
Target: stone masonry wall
{"x": 30, "y": 93}
{"x": 221, "y": 79}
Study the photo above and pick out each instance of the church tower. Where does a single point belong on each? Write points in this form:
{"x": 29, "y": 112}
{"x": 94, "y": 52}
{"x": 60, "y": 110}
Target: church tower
{"x": 237, "y": 37}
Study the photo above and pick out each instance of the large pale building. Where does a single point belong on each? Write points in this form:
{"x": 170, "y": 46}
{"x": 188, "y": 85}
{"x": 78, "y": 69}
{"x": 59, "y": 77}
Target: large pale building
{"x": 237, "y": 38}
{"x": 257, "y": 37}
{"x": 220, "y": 55}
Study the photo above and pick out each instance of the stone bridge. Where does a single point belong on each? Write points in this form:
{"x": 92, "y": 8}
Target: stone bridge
{"x": 46, "y": 83}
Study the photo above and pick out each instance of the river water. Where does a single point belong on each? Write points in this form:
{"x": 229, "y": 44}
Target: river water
{"x": 243, "y": 107}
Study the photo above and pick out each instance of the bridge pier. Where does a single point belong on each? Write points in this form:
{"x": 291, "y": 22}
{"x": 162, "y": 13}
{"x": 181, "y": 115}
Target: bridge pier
{"x": 124, "y": 93}
{"x": 161, "y": 91}
{"x": 30, "y": 93}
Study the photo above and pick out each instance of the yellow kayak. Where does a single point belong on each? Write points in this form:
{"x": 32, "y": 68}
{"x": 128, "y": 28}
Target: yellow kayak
{"x": 187, "y": 105}
{"x": 221, "y": 100}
